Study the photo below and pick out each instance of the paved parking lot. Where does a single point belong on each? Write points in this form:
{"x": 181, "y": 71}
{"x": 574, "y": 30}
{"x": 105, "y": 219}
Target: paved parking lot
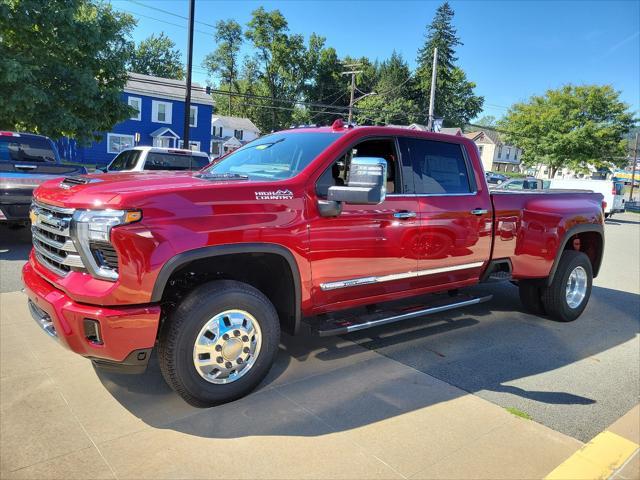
{"x": 423, "y": 399}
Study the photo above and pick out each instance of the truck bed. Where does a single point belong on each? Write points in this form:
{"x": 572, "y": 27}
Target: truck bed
{"x": 529, "y": 226}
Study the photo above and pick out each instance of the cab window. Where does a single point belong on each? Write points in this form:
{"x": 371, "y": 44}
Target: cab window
{"x": 439, "y": 167}
{"x": 338, "y": 172}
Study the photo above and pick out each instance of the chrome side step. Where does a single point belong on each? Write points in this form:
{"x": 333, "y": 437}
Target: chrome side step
{"x": 352, "y": 322}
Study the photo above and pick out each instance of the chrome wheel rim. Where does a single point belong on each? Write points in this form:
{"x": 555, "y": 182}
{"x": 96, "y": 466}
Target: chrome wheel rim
{"x": 227, "y": 346}
{"x": 576, "y": 287}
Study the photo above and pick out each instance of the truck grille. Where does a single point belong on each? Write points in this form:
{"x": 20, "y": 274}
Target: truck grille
{"x": 51, "y": 238}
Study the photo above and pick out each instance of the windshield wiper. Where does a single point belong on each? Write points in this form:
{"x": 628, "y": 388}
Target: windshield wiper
{"x": 223, "y": 176}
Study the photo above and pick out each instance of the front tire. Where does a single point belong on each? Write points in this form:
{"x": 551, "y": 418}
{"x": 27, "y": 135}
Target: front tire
{"x": 219, "y": 343}
{"x": 567, "y": 296}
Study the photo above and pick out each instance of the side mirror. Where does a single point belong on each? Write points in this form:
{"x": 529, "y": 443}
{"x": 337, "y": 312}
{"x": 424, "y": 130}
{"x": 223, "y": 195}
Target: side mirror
{"x": 367, "y": 183}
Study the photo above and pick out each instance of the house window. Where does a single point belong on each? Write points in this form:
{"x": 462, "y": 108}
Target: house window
{"x": 508, "y": 153}
{"x": 161, "y": 112}
{"x": 237, "y": 134}
{"x": 480, "y": 148}
{"x": 220, "y": 132}
{"x": 515, "y": 154}
{"x": 193, "y": 145}
{"x": 193, "y": 116}
{"x": 116, "y": 142}
{"x": 215, "y": 148}
{"x": 136, "y": 103}
{"x": 500, "y": 151}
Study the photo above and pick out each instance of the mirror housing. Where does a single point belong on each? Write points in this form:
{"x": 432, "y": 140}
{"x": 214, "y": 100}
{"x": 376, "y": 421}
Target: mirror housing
{"x": 367, "y": 183}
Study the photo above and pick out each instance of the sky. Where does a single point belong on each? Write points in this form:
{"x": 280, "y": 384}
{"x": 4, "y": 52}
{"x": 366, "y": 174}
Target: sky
{"x": 512, "y": 49}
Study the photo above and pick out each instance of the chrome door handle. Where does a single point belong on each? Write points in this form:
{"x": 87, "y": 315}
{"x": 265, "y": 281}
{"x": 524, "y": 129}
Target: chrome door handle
{"x": 405, "y": 215}
{"x": 479, "y": 211}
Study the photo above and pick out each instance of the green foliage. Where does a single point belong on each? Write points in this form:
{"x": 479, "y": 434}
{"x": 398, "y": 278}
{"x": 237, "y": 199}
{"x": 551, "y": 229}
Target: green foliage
{"x": 487, "y": 121}
{"x": 393, "y": 102}
{"x": 280, "y": 65}
{"x": 157, "y": 56}
{"x": 62, "y": 67}
{"x": 573, "y": 126}
{"x": 455, "y": 97}
{"x": 223, "y": 61}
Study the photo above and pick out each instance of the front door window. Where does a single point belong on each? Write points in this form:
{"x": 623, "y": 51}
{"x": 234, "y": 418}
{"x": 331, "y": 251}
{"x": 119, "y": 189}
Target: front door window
{"x": 164, "y": 142}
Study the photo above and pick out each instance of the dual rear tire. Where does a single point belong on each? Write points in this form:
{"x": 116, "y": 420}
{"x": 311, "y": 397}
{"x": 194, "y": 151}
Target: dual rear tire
{"x": 566, "y": 297}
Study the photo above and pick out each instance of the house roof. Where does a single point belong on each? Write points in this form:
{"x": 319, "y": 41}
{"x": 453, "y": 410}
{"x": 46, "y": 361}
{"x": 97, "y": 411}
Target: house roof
{"x": 165, "y": 88}
{"x": 228, "y": 140}
{"x": 451, "y": 131}
{"x": 234, "y": 123}
{"x": 491, "y": 135}
{"x": 160, "y": 132}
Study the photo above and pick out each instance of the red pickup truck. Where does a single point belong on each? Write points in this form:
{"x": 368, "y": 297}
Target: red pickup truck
{"x": 331, "y": 228}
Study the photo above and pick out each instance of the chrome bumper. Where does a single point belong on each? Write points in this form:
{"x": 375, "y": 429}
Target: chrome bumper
{"x": 43, "y": 319}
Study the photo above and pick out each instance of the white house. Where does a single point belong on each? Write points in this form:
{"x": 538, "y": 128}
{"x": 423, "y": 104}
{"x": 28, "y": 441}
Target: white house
{"x": 229, "y": 133}
{"x": 496, "y": 156}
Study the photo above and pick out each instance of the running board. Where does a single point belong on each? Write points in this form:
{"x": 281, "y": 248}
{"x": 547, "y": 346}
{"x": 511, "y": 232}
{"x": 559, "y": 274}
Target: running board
{"x": 342, "y": 323}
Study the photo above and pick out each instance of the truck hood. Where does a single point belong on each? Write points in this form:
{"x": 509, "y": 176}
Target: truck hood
{"x": 161, "y": 190}
{"x": 117, "y": 190}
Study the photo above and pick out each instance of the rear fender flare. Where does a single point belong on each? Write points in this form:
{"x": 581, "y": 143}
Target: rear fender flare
{"x": 582, "y": 228}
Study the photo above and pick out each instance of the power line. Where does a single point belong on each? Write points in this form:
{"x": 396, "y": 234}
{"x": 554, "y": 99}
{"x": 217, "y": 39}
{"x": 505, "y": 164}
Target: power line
{"x": 169, "y": 13}
{"x": 208, "y": 34}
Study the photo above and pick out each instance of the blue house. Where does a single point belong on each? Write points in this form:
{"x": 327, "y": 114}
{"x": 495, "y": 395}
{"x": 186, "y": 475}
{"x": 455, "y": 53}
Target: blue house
{"x": 159, "y": 121}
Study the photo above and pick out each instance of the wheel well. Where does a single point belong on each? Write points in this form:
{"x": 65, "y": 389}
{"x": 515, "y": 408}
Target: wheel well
{"x": 268, "y": 272}
{"x": 589, "y": 243}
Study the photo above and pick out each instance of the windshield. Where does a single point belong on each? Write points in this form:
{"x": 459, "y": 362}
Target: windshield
{"x": 26, "y": 149}
{"x": 273, "y": 157}
{"x": 125, "y": 160}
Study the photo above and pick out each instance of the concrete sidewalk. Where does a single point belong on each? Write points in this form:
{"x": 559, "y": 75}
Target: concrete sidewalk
{"x": 329, "y": 409}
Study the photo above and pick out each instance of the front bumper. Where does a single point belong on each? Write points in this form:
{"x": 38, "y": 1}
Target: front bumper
{"x": 126, "y": 334}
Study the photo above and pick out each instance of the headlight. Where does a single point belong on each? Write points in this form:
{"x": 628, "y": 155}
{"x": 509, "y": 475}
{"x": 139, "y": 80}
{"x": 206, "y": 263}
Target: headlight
{"x": 91, "y": 231}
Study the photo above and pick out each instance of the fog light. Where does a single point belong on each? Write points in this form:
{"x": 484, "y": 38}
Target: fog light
{"x": 92, "y": 331}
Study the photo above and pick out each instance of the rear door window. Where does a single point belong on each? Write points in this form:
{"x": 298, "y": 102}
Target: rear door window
{"x": 439, "y": 167}
{"x": 26, "y": 149}
{"x": 173, "y": 161}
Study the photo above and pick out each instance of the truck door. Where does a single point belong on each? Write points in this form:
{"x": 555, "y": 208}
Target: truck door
{"x": 366, "y": 250}
{"x": 455, "y": 212}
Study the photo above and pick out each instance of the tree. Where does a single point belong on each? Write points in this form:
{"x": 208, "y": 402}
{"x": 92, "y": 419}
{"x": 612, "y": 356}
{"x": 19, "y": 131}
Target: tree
{"x": 63, "y": 67}
{"x": 224, "y": 60}
{"x": 573, "y": 126}
{"x": 157, "y": 56}
{"x": 455, "y": 98}
{"x": 280, "y": 62}
{"x": 486, "y": 121}
{"x": 393, "y": 101}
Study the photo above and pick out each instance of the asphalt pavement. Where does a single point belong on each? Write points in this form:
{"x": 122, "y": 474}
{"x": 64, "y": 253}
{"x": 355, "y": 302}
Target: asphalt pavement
{"x": 575, "y": 378}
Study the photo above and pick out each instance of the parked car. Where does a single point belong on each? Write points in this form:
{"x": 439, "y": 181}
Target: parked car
{"x": 611, "y": 190}
{"x": 522, "y": 184}
{"x": 495, "y": 178}
{"x": 138, "y": 159}
{"x": 329, "y": 230}
{"x": 26, "y": 161}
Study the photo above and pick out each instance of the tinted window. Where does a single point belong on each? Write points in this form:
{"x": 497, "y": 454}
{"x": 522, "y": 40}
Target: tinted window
{"x": 173, "y": 161}
{"x": 124, "y": 161}
{"x": 617, "y": 187}
{"x": 26, "y": 149}
{"x": 439, "y": 167}
{"x": 275, "y": 157}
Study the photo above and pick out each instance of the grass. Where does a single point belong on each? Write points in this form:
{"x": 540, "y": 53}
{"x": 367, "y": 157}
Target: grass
{"x": 518, "y": 413}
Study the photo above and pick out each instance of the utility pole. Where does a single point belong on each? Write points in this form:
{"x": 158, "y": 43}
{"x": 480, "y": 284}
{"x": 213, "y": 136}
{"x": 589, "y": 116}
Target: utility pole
{"x": 353, "y": 86}
{"x": 432, "y": 97}
{"x": 353, "y": 100}
{"x": 633, "y": 171}
{"x": 187, "y": 99}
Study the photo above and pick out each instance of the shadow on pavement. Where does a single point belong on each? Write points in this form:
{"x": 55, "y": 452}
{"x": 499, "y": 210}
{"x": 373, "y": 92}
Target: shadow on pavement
{"x": 479, "y": 348}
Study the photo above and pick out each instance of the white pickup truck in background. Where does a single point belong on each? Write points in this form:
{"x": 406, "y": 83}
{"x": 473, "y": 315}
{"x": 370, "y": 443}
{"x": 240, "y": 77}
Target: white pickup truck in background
{"x": 611, "y": 191}
{"x": 139, "y": 159}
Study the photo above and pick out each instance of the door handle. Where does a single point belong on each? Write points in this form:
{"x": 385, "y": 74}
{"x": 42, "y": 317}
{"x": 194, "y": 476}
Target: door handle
{"x": 405, "y": 215}
{"x": 479, "y": 211}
